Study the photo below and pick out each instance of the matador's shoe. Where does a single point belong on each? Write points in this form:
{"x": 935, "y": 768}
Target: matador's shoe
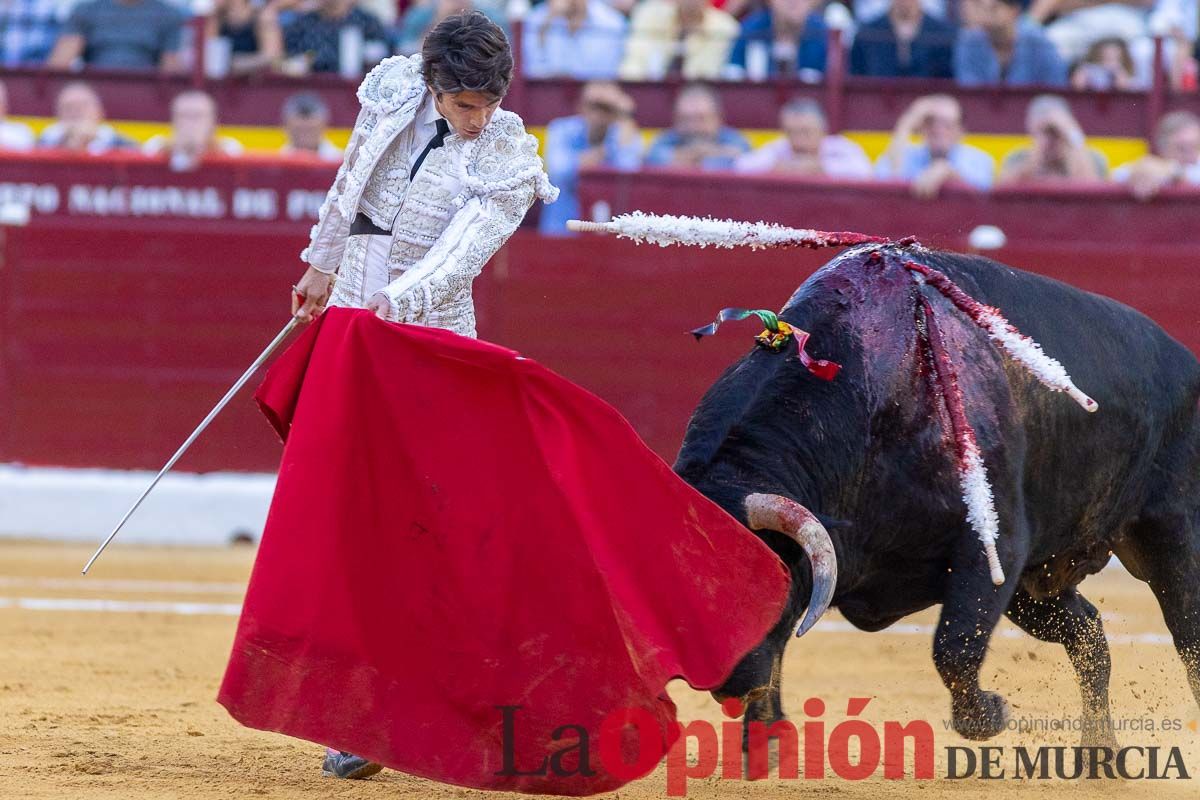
{"x": 339, "y": 764}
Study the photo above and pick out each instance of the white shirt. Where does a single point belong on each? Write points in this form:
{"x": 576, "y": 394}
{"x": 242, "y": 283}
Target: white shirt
{"x": 840, "y": 158}
{"x": 181, "y": 162}
{"x": 1168, "y": 15}
{"x": 106, "y": 138}
{"x": 326, "y": 151}
{"x": 15, "y": 136}
{"x": 594, "y": 51}
{"x": 871, "y": 10}
{"x": 1191, "y": 173}
{"x": 423, "y": 129}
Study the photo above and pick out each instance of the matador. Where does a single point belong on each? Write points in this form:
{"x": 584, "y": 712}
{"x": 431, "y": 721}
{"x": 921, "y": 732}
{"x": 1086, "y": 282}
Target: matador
{"x": 435, "y": 179}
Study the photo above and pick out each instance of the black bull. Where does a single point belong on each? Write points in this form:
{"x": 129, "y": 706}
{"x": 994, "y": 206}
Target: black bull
{"x": 868, "y": 453}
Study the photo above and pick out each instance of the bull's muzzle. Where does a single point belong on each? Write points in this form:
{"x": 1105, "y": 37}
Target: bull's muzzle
{"x": 777, "y": 513}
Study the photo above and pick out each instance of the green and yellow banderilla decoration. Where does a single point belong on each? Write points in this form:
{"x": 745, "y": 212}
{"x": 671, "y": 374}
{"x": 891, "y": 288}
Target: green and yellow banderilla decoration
{"x": 775, "y": 336}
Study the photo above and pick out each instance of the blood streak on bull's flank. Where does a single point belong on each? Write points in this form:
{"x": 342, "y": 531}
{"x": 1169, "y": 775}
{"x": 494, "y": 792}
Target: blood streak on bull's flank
{"x": 981, "y": 509}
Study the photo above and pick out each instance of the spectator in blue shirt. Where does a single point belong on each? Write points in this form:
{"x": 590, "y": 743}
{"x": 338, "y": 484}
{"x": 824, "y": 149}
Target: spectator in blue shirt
{"x": 905, "y": 42}
{"x": 28, "y": 30}
{"x": 791, "y": 33}
{"x": 698, "y": 139}
{"x": 420, "y": 18}
{"x": 602, "y": 133}
{"x": 580, "y": 39}
{"x": 941, "y": 157}
{"x": 1009, "y": 48}
{"x": 126, "y": 34}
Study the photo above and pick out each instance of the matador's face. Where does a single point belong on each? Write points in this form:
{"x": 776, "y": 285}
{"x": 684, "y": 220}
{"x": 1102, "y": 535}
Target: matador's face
{"x": 467, "y": 112}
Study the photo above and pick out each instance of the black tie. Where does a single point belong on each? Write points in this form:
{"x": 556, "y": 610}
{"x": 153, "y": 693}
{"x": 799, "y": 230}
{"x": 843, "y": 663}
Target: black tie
{"x": 443, "y": 130}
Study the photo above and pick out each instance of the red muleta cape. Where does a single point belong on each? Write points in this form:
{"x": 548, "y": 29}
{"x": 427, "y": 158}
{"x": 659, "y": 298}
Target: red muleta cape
{"x": 457, "y": 529}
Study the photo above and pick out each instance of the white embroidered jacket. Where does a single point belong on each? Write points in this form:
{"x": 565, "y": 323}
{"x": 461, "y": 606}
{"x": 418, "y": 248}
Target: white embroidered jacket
{"x": 466, "y": 200}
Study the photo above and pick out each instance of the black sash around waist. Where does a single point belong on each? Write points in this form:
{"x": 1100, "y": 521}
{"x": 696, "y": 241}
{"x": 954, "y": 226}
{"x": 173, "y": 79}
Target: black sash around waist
{"x": 362, "y": 225}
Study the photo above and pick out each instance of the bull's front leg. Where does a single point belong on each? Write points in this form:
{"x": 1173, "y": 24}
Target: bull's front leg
{"x": 764, "y": 706}
{"x": 767, "y": 707}
{"x": 756, "y": 681}
{"x": 972, "y": 606}
{"x": 1073, "y": 622}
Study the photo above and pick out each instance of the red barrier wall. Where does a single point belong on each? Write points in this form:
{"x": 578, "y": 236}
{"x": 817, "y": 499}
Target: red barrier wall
{"x": 117, "y": 333}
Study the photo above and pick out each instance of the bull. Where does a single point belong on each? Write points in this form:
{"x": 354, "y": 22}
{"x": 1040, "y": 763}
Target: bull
{"x": 857, "y": 483}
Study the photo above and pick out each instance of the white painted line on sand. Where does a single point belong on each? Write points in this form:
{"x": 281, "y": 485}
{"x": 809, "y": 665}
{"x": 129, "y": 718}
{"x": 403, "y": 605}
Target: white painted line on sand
{"x": 910, "y": 629}
{"x": 120, "y": 606}
{"x": 233, "y": 609}
{"x": 81, "y": 583}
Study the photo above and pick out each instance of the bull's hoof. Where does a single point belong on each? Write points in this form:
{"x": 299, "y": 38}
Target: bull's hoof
{"x": 981, "y": 717}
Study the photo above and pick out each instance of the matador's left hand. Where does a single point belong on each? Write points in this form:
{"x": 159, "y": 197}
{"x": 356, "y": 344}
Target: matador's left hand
{"x": 380, "y": 305}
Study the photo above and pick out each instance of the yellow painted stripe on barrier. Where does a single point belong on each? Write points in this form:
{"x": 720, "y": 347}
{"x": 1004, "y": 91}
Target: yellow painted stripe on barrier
{"x": 1117, "y": 149}
{"x": 265, "y": 139}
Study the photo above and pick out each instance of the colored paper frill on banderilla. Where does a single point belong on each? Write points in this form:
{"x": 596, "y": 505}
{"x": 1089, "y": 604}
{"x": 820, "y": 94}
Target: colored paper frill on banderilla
{"x": 457, "y": 529}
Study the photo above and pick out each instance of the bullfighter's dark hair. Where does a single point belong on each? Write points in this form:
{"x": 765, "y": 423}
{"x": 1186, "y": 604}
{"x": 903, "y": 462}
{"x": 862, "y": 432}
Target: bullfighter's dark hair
{"x": 467, "y": 53}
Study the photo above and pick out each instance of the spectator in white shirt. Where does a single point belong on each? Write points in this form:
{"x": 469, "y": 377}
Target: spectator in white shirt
{"x": 80, "y": 126}
{"x": 305, "y": 118}
{"x": 942, "y": 157}
{"x": 1177, "y": 159}
{"x": 193, "y": 133}
{"x": 689, "y": 38}
{"x": 13, "y": 135}
{"x": 870, "y": 10}
{"x": 806, "y": 148}
{"x": 580, "y": 39}
{"x": 1058, "y": 151}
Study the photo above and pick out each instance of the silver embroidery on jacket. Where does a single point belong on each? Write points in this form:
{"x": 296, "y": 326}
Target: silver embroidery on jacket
{"x": 465, "y": 202}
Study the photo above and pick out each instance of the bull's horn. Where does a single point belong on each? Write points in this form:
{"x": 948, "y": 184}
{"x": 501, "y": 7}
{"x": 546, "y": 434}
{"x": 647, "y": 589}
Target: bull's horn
{"x": 777, "y": 513}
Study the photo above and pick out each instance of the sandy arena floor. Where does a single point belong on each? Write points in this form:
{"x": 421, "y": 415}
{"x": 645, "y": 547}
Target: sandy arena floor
{"x": 107, "y": 687}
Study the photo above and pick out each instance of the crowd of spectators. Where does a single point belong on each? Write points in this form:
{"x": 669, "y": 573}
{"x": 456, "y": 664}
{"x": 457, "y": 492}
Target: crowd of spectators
{"x": 1086, "y": 44}
{"x": 79, "y": 127}
{"x": 926, "y": 149}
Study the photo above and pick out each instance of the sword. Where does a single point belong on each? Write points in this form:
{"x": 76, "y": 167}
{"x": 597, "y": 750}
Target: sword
{"x": 258, "y": 362}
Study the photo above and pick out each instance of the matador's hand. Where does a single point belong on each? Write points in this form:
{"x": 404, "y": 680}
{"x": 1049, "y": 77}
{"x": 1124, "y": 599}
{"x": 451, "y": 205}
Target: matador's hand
{"x": 311, "y": 294}
{"x": 380, "y": 305}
